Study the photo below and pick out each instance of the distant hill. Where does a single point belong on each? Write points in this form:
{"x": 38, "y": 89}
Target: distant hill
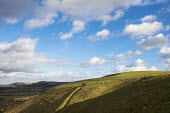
{"x": 37, "y": 84}
{"x": 130, "y": 92}
{"x": 19, "y": 84}
{"x": 45, "y": 84}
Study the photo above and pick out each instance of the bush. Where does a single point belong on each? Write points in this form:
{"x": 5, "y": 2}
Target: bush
{"x": 83, "y": 84}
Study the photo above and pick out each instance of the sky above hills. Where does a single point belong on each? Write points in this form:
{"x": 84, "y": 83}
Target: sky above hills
{"x": 69, "y": 40}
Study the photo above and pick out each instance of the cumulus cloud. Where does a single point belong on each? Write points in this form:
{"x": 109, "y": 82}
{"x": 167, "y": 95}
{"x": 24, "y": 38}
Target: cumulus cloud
{"x": 124, "y": 55}
{"x": 164, "y": 53}
{"x": 45, "y": 12}
{"x": 73, "y": 75}
{"x": 101, "y": 35}
{"x": 94, "y": 61}
{"x": 44, "y": 15}
{"x": 20, "y": 56}
{"x": 59, "y": 76}
{"x": 153, "y": 42}
{"x": 148, "y": 18}
{"x": 11, "y": 11}
{"x": 78, "y": 26}
{"x": 143, "y": 29}
{"x": 94, "y": 10}
{"x": 107, "y": 18}
{"x": 127, "y": 55}
{"x": 164, "y": 50}
{"x": 65, "y": 36}
{"x": 41, "y": 21}
{"x": 138, "y": 65}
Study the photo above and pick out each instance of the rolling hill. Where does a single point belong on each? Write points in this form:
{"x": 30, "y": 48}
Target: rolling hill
{"x": 15, "y": 93}
{"x": 129, "y": 92}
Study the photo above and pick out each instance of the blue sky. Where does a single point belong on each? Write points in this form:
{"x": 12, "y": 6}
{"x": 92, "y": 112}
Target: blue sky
{"x": 69, "y": 40}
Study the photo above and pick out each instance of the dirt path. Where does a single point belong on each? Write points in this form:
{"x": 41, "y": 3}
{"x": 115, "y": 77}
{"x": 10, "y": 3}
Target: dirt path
{"x": 67, "y": 99}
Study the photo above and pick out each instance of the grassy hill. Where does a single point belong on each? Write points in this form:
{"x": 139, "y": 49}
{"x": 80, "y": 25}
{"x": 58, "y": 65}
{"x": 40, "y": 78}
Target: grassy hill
{"x": 130, "y": 92}
{"x": 14, "y": 94}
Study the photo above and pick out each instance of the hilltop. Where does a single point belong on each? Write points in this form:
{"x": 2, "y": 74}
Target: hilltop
{"x": 129, "y": 92}
{"x": 16, "y": 84}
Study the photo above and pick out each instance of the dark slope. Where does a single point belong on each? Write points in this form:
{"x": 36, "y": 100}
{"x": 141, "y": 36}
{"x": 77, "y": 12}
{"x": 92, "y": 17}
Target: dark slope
{"x": 150, "y": 94}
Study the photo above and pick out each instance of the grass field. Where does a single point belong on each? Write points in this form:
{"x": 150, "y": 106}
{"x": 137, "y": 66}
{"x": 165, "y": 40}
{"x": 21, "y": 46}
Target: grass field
{"x": 130, "y": 92}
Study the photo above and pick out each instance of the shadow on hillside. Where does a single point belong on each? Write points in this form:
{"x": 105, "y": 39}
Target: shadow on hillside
{"x": 112, "y": 75}
{"x": 147, "y": 95}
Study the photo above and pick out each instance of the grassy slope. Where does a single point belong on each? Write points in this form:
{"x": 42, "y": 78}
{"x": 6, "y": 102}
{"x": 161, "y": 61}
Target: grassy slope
{"x": 13, "y": 94}
{"x": 126, "y": 92}
{"x": 44, "y": 103}
{"x": 67, "y": 99}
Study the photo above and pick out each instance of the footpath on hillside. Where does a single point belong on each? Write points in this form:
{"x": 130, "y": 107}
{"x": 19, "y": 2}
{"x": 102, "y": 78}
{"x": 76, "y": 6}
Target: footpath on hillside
{"x": 67, "y": 99}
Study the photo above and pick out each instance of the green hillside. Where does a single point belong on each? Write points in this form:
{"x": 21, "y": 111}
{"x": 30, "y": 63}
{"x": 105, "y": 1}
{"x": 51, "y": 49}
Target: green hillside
{"x": 130, "y": 92}
{"x": 16, "y": 93}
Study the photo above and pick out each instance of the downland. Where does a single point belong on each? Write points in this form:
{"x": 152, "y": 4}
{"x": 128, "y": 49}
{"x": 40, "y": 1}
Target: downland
{"x": 129, "y": 92}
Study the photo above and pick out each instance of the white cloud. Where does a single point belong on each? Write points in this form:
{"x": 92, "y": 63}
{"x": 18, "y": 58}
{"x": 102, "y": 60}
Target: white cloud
{"x": 167, "y": 27}
{"x": 11, "y": 21}
{"x": 108, "y": 18}
{"x": 66, "y": 36}
{"x": 21, "y": 45}
{"x": 44, "y": 16}
{"x": 59, "y": 76}
{"x": 43, "y": 13}
{"x": 153, "y": 42}
{"x": 94, "y": 10}
{"x": 20, "y": 56}
{"x": 90, "y": 10}
{"x": 127, "y": 54}
{"x": 78, "y": 26}
{"x": 143, "y": 29}
{"x": 164, "y": 50}
{"x": 41, "y": 21}
{"x": 117, "y": 59}
{"x": 101, "y": 35}
{"x": 110, "y": 54}
{"x": 148, "y": 18}
{"x": 164, "y": 53}
{"x": 137, "y": 52}
{"x": 69, "y": 75}
{"x": 11, "y": 11}
{"x": 94, "y": 61}
{"x": 138, "y": 65}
